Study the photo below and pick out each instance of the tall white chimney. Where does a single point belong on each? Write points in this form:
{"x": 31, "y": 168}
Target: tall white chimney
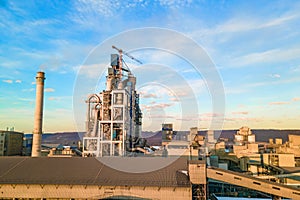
{"x": 38, "y": 116}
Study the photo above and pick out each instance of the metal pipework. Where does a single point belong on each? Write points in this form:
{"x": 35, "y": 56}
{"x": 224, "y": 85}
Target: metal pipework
{"x": 38, "y": 116}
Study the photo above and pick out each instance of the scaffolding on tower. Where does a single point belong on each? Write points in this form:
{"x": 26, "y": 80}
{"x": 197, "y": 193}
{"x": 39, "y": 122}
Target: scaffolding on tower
{"x": 114, "y": 117}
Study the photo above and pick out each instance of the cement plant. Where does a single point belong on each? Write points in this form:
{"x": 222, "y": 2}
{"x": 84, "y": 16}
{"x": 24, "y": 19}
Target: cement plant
{"x": 198, "y": 164}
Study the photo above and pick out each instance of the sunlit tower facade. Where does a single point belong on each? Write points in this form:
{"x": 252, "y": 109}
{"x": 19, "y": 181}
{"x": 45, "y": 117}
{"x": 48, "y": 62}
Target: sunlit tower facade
{"x": 114, "y": 117}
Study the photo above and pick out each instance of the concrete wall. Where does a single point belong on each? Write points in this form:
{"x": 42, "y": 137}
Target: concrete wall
{"x": 286, "y": 160}
{"x": 92, "y": 191}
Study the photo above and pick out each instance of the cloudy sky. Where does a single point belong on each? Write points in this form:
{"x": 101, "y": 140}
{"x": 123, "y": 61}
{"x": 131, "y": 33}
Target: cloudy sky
{"x": 254, "y": 47}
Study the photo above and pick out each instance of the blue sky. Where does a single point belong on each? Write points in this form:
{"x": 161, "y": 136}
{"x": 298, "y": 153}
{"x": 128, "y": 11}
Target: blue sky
{"x": 254, "y": 45}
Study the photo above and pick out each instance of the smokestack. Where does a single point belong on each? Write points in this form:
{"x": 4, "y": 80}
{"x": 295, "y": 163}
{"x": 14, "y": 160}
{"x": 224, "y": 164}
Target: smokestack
{"x": 38, "y": 116}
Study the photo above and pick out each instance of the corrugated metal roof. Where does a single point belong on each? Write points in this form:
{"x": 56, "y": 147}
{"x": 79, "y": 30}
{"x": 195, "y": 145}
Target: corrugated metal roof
{"x": 87, "y": 171}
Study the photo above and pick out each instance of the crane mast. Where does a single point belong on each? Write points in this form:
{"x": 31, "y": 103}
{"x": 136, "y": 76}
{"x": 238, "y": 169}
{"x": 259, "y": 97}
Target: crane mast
{"x": 127, "y": 54}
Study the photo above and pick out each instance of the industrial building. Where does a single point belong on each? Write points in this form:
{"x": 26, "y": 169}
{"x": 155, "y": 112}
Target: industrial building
{"x": 244, "y": 142}
{"x": 279, "y": 159}
{"x": 114, "y": 118}
{"x": 90, "y": 178}
{"x": 11, "y": 143}
{"x": 273, "y": 161}
{"x": 113, "y": 136}
{"x": 291, "y": 147}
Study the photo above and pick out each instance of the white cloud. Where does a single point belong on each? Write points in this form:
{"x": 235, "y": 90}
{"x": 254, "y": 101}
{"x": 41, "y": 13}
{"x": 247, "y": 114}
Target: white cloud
{"x": 28, "y": 90}
{"x": 174, "y": 99}
{"x": 243, "y": 119}
{"x": 52, "y": 98}
{"x": 92, "y": 71}
{"x": 36, "y": 54}
{"x": 88, "y": 11}
{"x": 40, "y": 22}
{"x": 190, "y": 118}
{"x": 296, "y": 99}
{"x": 148, "y": 95}
{"x": 26, "y": 99}
{"x": 7, "y": 81}
{"x": 253, "y": 28}
{"x": 162, "y": 116}
{"x": 60, "y": 98}
{"x": 156, "y": 106}
{"x": 277, "y": 82}
{"x": 49, "y": 90}
{"x": 269, "y": 56}
{"x": 189, "y": 70}
{"x": 240, "y": 25}
{"x": 11, "y": 81}
{"x": 280, "y": 20}
{"x": 279, "y": 103}
{"x": 274, "y": 75}
{"x": 240, "y": 113}
{"x": 175, "y": 3}
{"x": 231, "y": 90}
{"x": 211, "y": 115}
{"x": 11, "y": 64}
{"x": 249, "y": 23}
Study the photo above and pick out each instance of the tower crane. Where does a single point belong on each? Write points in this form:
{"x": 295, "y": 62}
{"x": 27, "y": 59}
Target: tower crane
{"x": 127, "y": 54}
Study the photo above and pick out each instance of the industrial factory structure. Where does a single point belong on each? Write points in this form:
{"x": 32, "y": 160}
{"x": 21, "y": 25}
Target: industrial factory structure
{"x": 114, "y": 117}
{"x": 113, "y": 129}
{"x": 244, "y": 142}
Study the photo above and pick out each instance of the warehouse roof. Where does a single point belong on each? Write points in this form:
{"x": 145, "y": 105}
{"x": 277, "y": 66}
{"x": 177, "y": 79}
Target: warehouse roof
{"x": 90, "y": 171}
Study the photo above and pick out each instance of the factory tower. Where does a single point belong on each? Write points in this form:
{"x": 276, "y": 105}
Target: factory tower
{"x": 114, "y": 121}
{"x": 38, "y": 116}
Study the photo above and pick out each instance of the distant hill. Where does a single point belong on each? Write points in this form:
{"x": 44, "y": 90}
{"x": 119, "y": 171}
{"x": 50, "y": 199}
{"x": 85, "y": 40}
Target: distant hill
{"x": 154, "y": 138}
{"x": 64, "y": 138}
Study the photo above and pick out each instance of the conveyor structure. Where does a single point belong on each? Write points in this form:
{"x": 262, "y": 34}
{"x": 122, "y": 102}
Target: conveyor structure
{"x": 275, "y": 189}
